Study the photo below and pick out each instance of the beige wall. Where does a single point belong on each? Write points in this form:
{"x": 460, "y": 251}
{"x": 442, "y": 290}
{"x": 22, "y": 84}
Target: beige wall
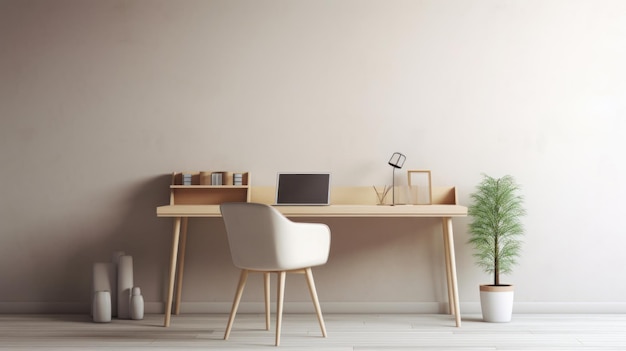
{"x": 100, "y": 100}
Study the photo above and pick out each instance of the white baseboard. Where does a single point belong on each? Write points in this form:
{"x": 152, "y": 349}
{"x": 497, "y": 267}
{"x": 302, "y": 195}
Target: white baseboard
{"x": 328, "y": 307}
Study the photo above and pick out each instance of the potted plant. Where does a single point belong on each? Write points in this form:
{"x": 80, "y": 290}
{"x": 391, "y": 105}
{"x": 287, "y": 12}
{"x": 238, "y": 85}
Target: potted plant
{"x": 496, "y": 209}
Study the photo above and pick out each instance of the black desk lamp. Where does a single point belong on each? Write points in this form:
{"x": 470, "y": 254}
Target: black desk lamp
{"x": 396, "y": 161}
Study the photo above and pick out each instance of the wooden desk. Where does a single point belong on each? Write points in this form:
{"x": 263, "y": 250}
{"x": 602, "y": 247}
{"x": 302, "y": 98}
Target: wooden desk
{"x": 181, "y": 213}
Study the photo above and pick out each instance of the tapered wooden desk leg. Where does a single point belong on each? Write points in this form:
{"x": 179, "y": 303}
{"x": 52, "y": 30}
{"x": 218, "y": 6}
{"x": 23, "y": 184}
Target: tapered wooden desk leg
{"x": 446, "y": 249}
{"x": 173, "y": 258}
{"x": 181, "y": 264}
{"x": 455, "y": 288}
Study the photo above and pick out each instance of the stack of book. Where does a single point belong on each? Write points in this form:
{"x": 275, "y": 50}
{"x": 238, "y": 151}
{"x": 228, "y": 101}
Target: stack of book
{"x": 238, "y": 179}
{"x": 186, "y": 179}
{"x": 216, "y": 178}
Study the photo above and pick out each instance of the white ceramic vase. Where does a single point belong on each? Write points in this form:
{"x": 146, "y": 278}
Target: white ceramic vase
{"x": 124, "y": 286}
{"x": 102, "y": 306}
{"x": 115, "y": 260}
{"x": 136, "y": 304}
{"x": 102, "y": 279}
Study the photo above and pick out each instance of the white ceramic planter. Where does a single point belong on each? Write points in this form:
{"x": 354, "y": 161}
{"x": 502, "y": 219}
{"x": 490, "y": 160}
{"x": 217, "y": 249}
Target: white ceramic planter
{"x": 496, "y": 303}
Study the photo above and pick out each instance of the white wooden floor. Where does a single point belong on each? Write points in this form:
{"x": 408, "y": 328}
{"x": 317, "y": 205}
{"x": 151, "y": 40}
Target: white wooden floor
{"x": 300, "y": 332}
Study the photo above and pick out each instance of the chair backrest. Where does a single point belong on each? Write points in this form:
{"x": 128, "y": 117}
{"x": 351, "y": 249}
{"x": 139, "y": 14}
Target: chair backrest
{"x": 261, "y": 238}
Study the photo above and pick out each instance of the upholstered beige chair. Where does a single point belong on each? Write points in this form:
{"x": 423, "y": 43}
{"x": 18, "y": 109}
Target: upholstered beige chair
{"x": 262, "y": 240}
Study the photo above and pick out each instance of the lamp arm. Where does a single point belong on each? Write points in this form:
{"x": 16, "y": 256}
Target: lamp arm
{"x": 393, "y": 186}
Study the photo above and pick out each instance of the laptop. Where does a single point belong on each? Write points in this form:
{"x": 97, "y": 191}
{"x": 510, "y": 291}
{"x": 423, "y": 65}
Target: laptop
{"x": 308, "y": 189}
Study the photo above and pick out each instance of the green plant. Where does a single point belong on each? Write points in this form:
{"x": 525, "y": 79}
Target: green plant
{"x": 496, "y": 228}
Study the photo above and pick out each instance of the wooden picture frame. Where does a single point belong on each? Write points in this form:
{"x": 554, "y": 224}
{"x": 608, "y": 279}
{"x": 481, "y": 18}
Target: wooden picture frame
{"x": 420, "y": 187}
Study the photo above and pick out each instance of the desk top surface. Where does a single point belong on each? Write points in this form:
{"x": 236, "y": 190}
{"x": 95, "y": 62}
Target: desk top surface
{"x": 327, "y": 211}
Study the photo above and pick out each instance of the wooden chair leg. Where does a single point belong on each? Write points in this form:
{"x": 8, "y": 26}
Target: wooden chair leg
{"x": 242, "y": 283}
{"x": 316, "y": 303}
{"x": 266, "y": 283}
{"x": 279, "y": 304}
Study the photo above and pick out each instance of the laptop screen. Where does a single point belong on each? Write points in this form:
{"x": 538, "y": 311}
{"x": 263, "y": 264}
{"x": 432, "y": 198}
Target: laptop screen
{"x": 303, "y": 189}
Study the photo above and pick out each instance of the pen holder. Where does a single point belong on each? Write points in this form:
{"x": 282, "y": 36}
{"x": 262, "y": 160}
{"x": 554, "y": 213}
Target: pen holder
{"x": 381, "y": 194}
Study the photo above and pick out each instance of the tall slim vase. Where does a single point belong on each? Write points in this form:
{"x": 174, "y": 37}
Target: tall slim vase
{"x": 124, "y": 286}
{"x": 115, "y": 260}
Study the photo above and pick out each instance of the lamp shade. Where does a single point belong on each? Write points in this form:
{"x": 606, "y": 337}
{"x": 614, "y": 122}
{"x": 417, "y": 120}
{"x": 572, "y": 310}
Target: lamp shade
{"x": 397, "y": 160}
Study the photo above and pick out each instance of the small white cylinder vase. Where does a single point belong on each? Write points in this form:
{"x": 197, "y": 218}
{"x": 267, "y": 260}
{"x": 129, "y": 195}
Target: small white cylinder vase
{"x": 124, "y": 286}
{"x": 136, "y": 304}
{"x": 102, "y": 279}
{"x": 102, "y": 306}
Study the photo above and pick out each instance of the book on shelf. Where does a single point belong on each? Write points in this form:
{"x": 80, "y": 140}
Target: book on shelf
{"x": 216, "y": 178}
{"x": 186, "y": 179}
{"x": 237, "y": 179}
